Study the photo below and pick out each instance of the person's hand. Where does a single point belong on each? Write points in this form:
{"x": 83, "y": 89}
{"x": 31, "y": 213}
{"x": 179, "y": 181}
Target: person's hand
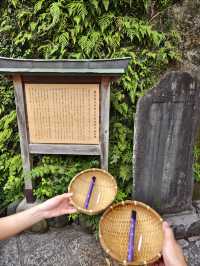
{"x": 57, "y": 206}
{"x": 16, "y": 223}
{"x": 172, "y": 252}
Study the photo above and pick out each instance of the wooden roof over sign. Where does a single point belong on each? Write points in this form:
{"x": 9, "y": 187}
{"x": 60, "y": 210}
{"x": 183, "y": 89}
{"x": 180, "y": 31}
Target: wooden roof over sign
{"x": 100, "y": 67}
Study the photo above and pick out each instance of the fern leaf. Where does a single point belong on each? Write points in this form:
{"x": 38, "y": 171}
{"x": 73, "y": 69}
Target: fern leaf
{"x": 55, "y": 12}
{"x": 106, "y": 4}
{"x": 95, "y": 3}
{"x": 38, "y": 6}
{"x": 105, "y": 21}
{"x": 64, "y": 39}
{"x": 14, "y": 3}
{"x": 77, "y": 9}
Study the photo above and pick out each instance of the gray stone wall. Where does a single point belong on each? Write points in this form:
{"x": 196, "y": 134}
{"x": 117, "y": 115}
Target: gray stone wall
{"x": 184, "y": 17}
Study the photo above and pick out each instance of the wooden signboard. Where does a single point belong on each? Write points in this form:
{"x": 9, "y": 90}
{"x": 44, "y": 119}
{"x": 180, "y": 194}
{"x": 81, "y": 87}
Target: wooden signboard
{"x": 63, "y": 113}
{"x": 62, "y": 106}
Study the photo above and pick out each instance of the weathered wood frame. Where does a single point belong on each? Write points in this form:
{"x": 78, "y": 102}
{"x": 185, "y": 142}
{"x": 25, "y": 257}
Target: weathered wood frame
{"x": 27, "y": 148}
{"x": 104, "y": 121}
{"x": 23, "y": 134}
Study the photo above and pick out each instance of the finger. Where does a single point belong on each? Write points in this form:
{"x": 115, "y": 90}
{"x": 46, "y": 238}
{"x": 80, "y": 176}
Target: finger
{"x": 70, "y": 206}
{"x": 62, "y": 196}
{"x": 70, "y": 211}
{"x": 67, "y": 195}
{"x": 71, "y": 202}
{"x": 168, "y": 233}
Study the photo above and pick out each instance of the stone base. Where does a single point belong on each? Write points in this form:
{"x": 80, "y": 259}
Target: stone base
{"x": 12, "y": 207}
{"x": 58, "y": 222}
{"x": 185, "y": 224}
{"x": 23, "y": 205}
{"x": 85, "y": 225}
{"x": 40, "y": 227}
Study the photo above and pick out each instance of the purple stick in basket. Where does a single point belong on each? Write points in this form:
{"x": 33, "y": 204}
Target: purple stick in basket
{"x": 131, "y": 237}
{"x": 90, "y": 192}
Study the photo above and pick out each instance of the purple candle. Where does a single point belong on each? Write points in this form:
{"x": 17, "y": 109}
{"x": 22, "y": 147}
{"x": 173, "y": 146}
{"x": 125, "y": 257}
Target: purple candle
{"x": 89, "y": 192}
{"x": 131, "y": 237}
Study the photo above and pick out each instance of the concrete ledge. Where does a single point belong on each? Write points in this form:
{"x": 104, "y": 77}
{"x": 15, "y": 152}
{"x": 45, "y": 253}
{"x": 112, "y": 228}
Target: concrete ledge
{"x": 40, "y": 227}
{"x": 185, "y": 224}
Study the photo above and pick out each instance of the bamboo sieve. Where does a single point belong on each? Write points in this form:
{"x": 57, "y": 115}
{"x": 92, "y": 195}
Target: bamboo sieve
{"x": 104, "y": 192}
{"x": 114, "y": 232}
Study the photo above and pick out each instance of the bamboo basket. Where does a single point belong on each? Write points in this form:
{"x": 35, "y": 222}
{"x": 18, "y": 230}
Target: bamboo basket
{"x": 114, "y": 232}
{"x": 104, "y": 192}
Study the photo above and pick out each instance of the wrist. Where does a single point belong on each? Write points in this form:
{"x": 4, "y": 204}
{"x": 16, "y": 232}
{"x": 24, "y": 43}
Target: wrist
{"x": 37, "y": 213}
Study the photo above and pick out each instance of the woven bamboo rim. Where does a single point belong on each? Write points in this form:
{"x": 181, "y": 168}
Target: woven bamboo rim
{"x": 105, "y": 190}
{"x": 114, "y": 230}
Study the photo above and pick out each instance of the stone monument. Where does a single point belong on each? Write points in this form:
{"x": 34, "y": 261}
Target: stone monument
{"x": 165, "y": 126}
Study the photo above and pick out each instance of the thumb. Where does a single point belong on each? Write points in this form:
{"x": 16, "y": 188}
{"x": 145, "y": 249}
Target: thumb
{"x": 172, "y": 253}
{"x": 168, "y": 233}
